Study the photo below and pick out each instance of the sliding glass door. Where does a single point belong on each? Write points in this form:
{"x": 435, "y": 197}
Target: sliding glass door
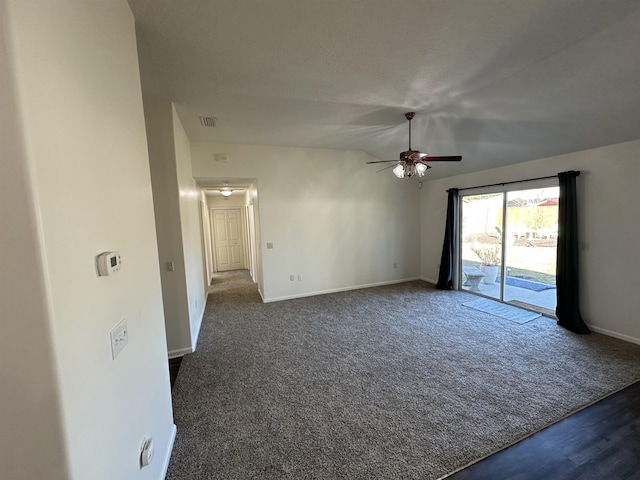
{"x": 530, "y": 253}
{"x": 508, "y": 245}
{"x": 481, "y": 236}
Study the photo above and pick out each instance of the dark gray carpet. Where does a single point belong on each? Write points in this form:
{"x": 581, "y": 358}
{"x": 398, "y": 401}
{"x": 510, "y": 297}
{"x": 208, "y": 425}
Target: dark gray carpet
{"x": 396, "y": 382}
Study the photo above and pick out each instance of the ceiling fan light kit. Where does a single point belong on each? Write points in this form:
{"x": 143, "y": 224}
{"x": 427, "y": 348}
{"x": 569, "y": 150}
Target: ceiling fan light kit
{"x": 404, "y": 169}
{"x": 412, "y": 162}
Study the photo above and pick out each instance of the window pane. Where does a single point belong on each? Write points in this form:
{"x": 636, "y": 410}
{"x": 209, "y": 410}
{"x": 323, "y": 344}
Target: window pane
{"x": 481, "y": 236}
{"x": 531, "y": 241}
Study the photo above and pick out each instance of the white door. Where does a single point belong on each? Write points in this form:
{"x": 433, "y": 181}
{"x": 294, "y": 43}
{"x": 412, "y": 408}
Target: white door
{"x": 227, "y": 237}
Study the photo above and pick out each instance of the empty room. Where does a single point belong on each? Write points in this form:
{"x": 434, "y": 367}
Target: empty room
{"x": 319, "y": 239}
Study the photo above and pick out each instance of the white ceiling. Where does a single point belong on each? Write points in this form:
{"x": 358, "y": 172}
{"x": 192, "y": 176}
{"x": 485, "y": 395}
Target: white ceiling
{"x": 498, "y": 82}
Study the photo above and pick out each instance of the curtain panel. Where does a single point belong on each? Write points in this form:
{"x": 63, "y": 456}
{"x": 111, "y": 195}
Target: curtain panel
{"x": 567, "y": 267}
{"x": 449, "y": 250}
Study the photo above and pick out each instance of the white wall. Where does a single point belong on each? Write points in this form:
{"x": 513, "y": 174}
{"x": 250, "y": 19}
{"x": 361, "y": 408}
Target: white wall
{"x": 330, "y": 217}
{"x": 31, "y": 419}
{"x": 189, "y": 195}
{"x": 206, "y": 234}
{"x": 255, "y": 199}
{"x": 252, "y": 236}
{"x": 79, "y": 99}
{"x": 608, "y": 197}
{"x": 176, "y": 199}
{"x": 164, "y": 177}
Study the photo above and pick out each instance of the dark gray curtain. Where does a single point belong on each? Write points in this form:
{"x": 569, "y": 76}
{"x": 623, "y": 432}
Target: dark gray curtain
{"x": 447, "y": 261}
{"x": 567, "y": 273}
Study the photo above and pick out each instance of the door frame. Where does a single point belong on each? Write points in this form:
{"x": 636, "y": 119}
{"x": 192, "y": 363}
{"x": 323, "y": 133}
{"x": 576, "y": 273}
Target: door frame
{"x": 251, "y": 240}
{"x": 206, "y": 238}
{"x": 243, "y": 234}
{"x": 504, "y": 189}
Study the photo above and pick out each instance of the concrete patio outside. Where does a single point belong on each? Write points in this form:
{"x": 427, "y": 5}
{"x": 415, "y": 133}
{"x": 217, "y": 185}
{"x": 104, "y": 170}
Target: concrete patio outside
{"x": 545, "y": 300}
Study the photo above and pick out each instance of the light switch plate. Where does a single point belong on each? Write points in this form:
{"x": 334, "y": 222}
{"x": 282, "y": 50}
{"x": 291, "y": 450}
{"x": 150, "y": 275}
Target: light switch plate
{"x": 119, "y": 338}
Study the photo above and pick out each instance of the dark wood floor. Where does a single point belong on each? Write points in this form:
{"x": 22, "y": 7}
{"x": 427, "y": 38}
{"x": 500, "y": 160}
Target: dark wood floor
{"x": 174, "y": 367}
{"x": 600, "y": 442}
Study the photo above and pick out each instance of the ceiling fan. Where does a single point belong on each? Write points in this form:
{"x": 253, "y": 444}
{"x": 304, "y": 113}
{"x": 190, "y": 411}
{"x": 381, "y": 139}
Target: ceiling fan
{"x": 412, "y": 162}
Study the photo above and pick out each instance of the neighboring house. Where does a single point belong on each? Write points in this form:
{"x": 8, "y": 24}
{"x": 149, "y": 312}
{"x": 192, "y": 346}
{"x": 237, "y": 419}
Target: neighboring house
{"x": 75, "y": 182}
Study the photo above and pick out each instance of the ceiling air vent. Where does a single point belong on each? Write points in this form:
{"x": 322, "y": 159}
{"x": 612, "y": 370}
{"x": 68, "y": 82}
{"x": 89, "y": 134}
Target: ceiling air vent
{"x": 208, "y": 121}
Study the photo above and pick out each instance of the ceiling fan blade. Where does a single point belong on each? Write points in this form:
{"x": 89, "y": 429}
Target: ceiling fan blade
{"x": 451, "y": 158}
{"x": 413, "y": 159}
{"x": 385, "y": 168}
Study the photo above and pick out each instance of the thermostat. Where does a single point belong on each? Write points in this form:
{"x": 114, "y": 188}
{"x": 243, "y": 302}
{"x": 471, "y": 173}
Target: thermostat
{"x": 108, "y": 263}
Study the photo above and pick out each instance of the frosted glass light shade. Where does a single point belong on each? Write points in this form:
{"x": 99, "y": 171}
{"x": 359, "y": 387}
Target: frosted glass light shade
{"x": 421, "y": 168}
{"x": 398, "y": 171}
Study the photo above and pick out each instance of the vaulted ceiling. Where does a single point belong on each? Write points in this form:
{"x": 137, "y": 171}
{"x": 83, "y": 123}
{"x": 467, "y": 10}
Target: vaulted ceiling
{"x": 498, "y": 82}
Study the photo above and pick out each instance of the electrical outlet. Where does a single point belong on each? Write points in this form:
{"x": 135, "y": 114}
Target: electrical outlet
{"x": 292, "y": 278}
{"x": 395, "y": 265}
{"x": 119, "y": 338}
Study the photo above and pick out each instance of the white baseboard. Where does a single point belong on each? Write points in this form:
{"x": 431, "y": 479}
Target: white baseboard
{"x": 336, "y": 290}
{"x": 613, "y": 334}
{"x": 167, "y": 456}
{"x": 428, "y": 280}
{"x": 180, "y": 352}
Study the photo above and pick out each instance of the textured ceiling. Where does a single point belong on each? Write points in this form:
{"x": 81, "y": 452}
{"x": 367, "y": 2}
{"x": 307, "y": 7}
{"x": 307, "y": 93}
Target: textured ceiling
{"x": 498, "y": 82}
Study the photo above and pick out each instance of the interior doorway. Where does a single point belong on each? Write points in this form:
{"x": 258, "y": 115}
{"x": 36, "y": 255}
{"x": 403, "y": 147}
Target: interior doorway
{"x": 232, "y": 244}
{"x": 508, "y": 242}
